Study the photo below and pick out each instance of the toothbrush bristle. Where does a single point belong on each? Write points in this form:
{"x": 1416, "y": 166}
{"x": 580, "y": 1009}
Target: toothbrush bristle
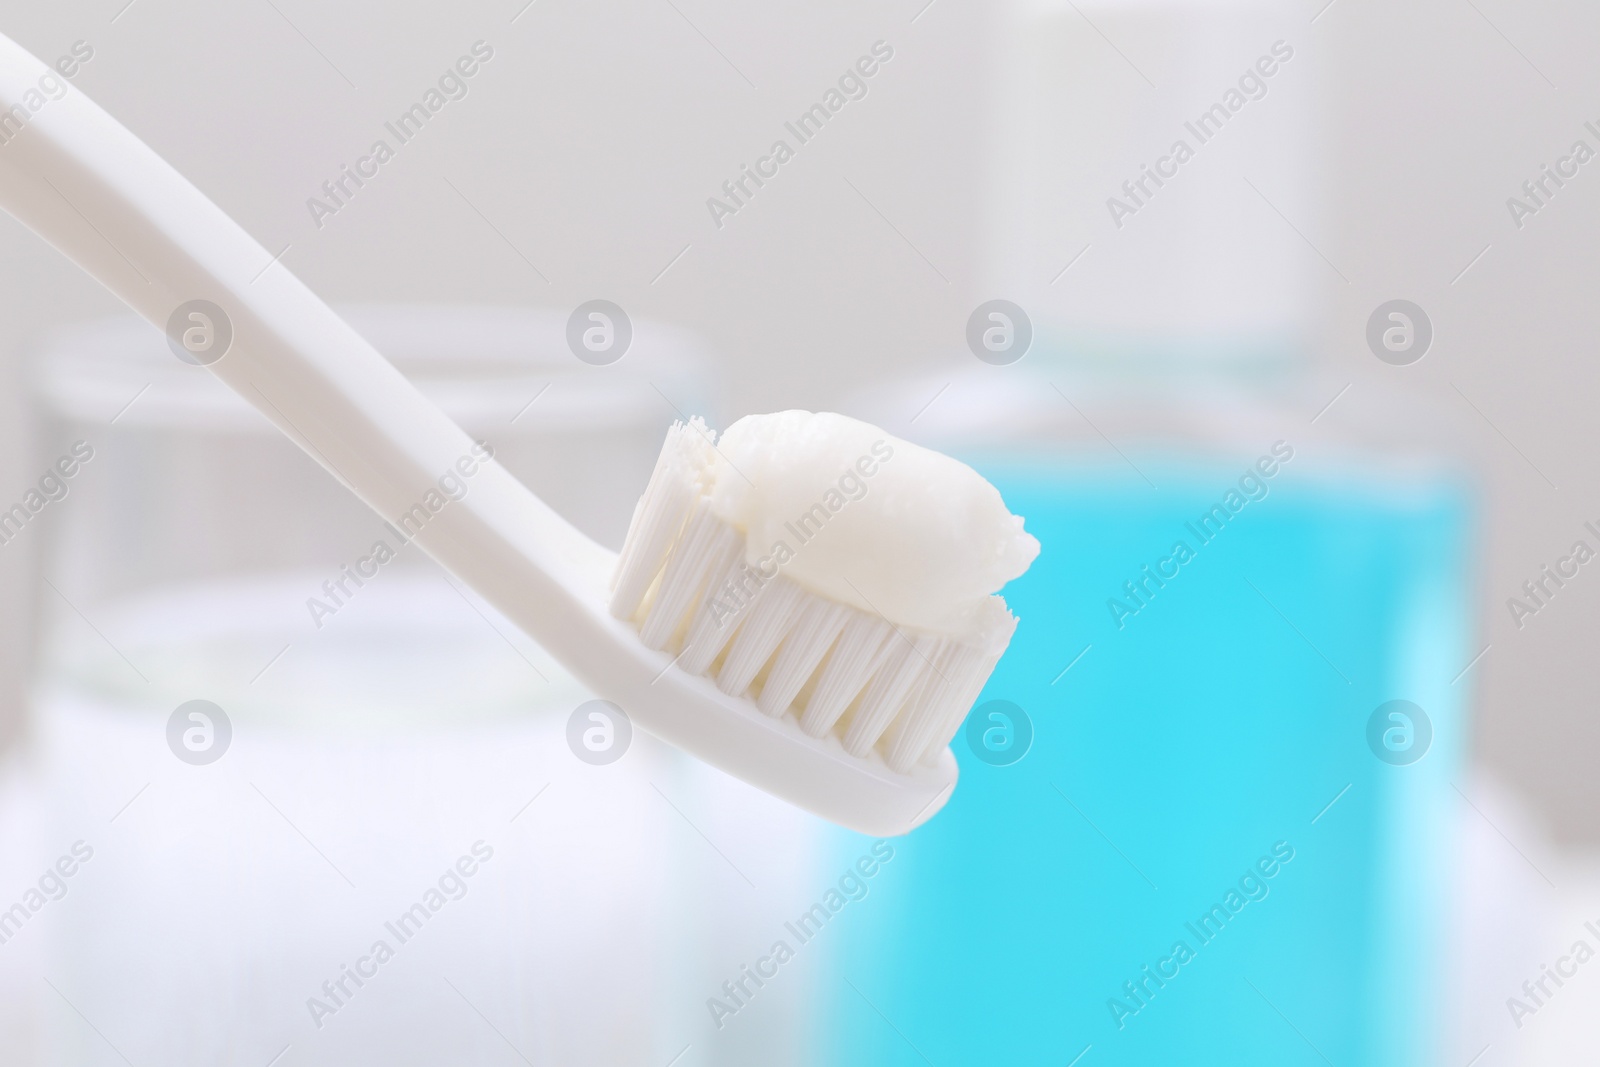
{"x": 683, "y": 580}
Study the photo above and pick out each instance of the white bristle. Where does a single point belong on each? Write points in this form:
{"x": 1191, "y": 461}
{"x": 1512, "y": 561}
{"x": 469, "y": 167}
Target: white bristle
{"x": 802, "y": 649}
{"x": 768, "y": 618}
{"x": 702, "y": 549}
{"x": 964, "y": 690}
{"x": 727, "y": 601}
{"x": 862, "y": 647}
{"x": 903, "y": 671}
{"x": 683, "y": 578}
{"x": 674, "y": 486}
{"x": 909, "y": 735}
{"x": 954, "y": 665}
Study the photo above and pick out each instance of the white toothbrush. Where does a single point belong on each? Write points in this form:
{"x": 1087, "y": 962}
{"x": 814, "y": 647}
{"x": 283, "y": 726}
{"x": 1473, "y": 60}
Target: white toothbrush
{"x": 89, "y": 187}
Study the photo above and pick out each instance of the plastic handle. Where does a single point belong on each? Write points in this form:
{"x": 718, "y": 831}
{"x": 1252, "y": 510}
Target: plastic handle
{"x": 88, "y": 186}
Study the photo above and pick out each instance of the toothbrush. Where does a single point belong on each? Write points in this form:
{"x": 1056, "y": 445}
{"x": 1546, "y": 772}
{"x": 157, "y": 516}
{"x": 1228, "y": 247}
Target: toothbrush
{"x": 93, "y": 190}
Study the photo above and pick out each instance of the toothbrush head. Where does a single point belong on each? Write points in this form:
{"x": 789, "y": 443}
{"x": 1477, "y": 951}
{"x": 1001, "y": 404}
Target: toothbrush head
{"x": 868, "y": 701}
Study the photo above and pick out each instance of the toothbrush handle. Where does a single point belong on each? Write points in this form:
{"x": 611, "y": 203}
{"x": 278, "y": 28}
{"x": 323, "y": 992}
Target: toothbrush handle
{"x": 83, "y": 182}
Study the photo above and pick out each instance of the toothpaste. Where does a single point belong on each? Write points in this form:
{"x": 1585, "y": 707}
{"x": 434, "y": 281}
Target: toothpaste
{"x": 854, "y": 514}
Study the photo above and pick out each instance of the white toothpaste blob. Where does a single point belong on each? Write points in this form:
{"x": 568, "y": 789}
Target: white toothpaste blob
{"x": 851, "y": 513}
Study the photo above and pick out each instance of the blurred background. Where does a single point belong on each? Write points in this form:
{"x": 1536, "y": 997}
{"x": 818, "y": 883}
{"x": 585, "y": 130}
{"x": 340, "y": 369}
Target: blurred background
{"x": 1337, "y": 158}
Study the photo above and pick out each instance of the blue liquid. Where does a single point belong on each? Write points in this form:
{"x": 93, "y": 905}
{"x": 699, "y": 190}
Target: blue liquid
{"x": 1217, "y": 723}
